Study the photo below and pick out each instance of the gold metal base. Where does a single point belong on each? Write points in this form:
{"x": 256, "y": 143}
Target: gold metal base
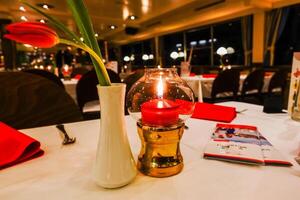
{"x": 160, "y": 153}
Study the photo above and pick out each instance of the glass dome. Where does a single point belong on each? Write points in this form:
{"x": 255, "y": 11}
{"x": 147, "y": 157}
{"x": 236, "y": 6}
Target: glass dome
{"x": 160, "y": 98}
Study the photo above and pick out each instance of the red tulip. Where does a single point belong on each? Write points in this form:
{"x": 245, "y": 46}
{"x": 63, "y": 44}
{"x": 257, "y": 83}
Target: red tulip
{"x": 34, "y": 33}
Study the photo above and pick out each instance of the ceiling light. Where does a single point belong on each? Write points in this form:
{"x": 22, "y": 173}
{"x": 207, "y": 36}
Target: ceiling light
{"x": 126, "y": 58}
{"x": 145, "y": 6}
{"x": 151, "y": 56}
{"x": 145, "y": 57}
{"x": 174, "y": 55}
{"x": 45, "y": 6}
{"x": 193, "y": 43}
{"x": 202, "y": 42}
{"x": 23, "y": 18}
{"x": 222, "y": 51}
{"x": 81, "y": 39}
{"x": 112, "y": 27}
{"x": 22, "y": 8}
{"x": 96, "y": 35}
{"x": 230, "y": 50}
{"x": 132, "y": 57}
{"x": 180, "y": 54}
{"x": 42, "y": 21}
{"x": 132, "y": 17}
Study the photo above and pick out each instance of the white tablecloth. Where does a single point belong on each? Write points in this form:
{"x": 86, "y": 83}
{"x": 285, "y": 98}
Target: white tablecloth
{"x": 206, "y": 84}
{"x": 70, "y": 86}
{"x": 64, "y": 172}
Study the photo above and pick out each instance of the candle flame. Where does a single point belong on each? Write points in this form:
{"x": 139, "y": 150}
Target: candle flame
{"x": 160, "y": 88}
{"x": 66, "y": 67}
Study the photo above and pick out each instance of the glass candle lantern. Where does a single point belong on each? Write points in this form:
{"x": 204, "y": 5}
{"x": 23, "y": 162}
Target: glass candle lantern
{"x": 66, "y": 71}
{"x": 160, "y": 102}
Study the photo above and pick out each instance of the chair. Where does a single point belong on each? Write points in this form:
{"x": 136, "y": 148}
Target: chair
{"x": 253, "y": 82}
{"x": 132, "y": 78}
{"x": 277, "y": 95}
{"x": 226, "y": 81}
{"x": 86, "y": 91}
{"x": 252, "y": 87}
{"x": 28, "y": 100}
{"x": 129, "y": 81}
{"x": 278, "y": 82}
{"x": 47, "y": 75}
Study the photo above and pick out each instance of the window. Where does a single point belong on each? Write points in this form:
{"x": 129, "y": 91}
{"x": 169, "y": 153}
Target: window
{"x": 203, "y": 40}
{"x": 228, "y": 35}
{"x": 200, "y": 41}
{"x": 289, "y": 41}
{"x": 139, "y": 54}
{"x": 172, "y": 49}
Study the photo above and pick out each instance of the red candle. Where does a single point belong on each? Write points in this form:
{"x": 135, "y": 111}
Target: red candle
{"x": 160, "y": 112}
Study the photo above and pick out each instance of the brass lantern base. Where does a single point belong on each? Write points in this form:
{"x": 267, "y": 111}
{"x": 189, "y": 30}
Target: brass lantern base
{"x": 160, "y": 153}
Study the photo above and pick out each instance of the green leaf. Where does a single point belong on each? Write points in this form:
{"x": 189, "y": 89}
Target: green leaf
{"x": 55, "y": 22}
{"x": 85, "y": 27}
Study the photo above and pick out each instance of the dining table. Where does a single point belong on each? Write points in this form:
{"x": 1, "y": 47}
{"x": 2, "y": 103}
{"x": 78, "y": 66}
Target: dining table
{"x": 202, "y": 84}
{"x": 70, "y": 87}
{"x": 65, "y": 171}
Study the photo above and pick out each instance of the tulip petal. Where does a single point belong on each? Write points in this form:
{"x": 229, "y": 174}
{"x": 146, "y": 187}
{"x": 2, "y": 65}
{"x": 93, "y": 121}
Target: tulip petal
{"x": 26, "y": 27}
{"x": 34, "y": 33}
{"x": 36, "y": 40}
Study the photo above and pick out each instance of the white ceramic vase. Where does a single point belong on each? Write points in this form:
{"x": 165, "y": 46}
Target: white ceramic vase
{"x": 115, "y": 165}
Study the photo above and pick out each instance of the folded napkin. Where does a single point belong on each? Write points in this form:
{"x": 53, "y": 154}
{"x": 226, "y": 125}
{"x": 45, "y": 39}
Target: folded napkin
{"x": 209, "y": 75}
{"x": 77, "y": 76}
{"x": 16, "y": 147}
{"x": 268, "y": 74}
{"x": 214, "y": 112}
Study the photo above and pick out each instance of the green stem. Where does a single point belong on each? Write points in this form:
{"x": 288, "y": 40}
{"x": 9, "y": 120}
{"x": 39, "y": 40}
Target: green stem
{"x": 102, "y": 74}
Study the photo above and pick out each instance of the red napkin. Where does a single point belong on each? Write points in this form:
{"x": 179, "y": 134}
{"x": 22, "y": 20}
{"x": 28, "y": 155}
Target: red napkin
{"x": 192, "y": 74}
{"x": 16, "y": 147}
{"x": 209, "y": 75}
{"x": 214, "y": 112}
{"x": 78, "y": 76}
{"x": 268, "y": 74}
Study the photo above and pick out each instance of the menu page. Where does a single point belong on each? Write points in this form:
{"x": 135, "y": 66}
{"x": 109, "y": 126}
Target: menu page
{"x": 294, "y": 84}
{"x": 243, "y": 144}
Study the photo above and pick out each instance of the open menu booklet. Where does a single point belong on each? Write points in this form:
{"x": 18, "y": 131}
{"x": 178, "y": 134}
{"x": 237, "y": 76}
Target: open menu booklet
{"x": 243, "y": 144}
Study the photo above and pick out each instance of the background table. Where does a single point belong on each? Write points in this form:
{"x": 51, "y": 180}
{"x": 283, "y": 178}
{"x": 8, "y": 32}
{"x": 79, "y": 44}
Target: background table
{"x": 70, "y": 86}
{"x": 64, "y": 172}
{"x": 206, "y": 84}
